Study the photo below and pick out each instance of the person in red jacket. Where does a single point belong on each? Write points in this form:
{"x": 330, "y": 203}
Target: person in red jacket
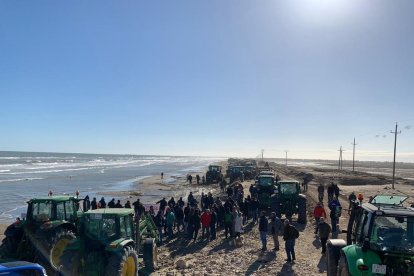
{"x": 205, "y": 223}
{"x": 318, "y": 213}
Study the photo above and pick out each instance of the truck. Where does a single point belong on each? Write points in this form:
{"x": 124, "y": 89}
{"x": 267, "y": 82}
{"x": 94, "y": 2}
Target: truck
{"x": 379, "y": 239}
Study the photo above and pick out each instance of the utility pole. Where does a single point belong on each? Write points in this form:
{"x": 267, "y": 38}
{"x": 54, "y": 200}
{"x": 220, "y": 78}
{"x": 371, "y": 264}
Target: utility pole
{"x": 286, "y": 157}
{"x": 396, "y": 132}
{"x": 262, "y": 154}
{"x": 340, "y": 158}
{"x": 353, "y": 156}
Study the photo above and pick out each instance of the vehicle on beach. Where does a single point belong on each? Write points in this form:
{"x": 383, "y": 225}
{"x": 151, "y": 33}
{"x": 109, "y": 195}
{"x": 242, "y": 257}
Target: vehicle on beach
{"x": 266, "y": 189}
{"x": 49, "y": 225}
{"x": 21, "y": 268}
{"x": 380, "y": 240}
{"x": 109, "y": 243}
{"x": 288, "y": 200}
{"x": 235, "y": 173}
{"x": 213, "y": 175}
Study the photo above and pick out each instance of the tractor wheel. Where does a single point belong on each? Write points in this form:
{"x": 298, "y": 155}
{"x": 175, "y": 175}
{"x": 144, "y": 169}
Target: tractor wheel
{"x": 123, "y": 264}
{"x": 302, "y": 209}
{"x": 343, "y": 267}
{"x": 58, "y": 243}
{"x": 150, "y": 253}
{"x": 70, "y": 263}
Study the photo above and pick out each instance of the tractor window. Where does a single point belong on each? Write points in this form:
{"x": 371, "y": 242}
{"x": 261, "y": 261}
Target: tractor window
{"x": 126, "y": 230}
{"x": 288, "y": 188}
{"x": 128, "y": 222}
{"x": 69, "y": 210}
{"x": 60, "y": 211}
{"x": 392, "y": 234}
{"x": 123, "y": 227}
{"x": 265, "y": 181}
{"x": 42, "y": 211}
{"x": 108, "y": 228}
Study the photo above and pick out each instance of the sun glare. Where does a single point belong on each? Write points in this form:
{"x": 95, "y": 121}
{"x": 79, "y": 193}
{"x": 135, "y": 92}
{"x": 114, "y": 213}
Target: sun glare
{"x": 324, "y": 11}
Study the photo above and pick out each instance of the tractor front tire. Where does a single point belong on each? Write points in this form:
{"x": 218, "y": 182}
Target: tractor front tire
{"x": 333, "y": 252}
{"x": 150, "y": 253}
{"x": 70, "y": 263}
{"x": 302, "y": 215}
{"x": 343, "y": 267}
{"x": 57, "y": 245}
{"x": 123, "y": 263}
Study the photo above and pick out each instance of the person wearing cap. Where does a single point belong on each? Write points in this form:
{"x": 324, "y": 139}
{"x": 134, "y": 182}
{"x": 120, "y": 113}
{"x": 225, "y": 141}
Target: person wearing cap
{"x": 276, "y": 226}
{"x": 318, "y": 213}
{"x": 324, "y": 231}
{"x": 263, "y": 224}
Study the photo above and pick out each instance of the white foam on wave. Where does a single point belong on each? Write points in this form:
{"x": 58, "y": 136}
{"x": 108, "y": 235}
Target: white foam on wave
{"x": 21, "y": 179}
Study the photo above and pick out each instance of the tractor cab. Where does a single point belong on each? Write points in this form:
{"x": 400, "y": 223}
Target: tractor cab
{"x": 52, "y": 208}
{"x": 380, "y": 239}
{"x": 213, "y": 174}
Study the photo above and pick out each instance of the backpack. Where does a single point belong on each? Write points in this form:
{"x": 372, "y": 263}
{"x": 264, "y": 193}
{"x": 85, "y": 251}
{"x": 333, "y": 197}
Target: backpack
{"x": 338, "y": 211}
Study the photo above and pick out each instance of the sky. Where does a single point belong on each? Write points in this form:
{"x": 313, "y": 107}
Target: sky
{"x": 215, "y": 78}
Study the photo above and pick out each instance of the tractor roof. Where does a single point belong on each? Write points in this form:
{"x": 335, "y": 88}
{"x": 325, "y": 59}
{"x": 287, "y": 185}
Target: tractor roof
{"x": 288, "y": 182}
{"x": 389, "y": 210}
{"x": 59, "y": 198}
{"x": 215, "y": 166}
{"x": 112, "y": 211}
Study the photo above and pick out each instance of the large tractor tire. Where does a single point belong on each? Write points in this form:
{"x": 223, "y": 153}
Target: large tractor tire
{"x": 343, "y": 267}
{"x": 150, "y": 253}
{"x": 333, "y": 251}
{"x": 11, "y": 242}
{"x": 70, "y": 263}
{"x": 123, "y": 264}
{"x": 57, "y": 244}
{"x": 302, "y": 215}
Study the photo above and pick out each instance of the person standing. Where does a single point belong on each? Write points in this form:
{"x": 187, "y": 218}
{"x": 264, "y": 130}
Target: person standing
{"x": 352, "y": 197}
{"x": 335, "y": 213}
{"x": 228, "y": 223}
{"x": 159, "y": 223}
{"x": 336, "y": 190}
{"x": 198, "y": 179}
{"x": 86, "y": 204}
{"x": 94, "y": 205}
{"x": 102, "y": 203}
{"x": 203, "y": 180}
{"x": 213, "y": 222}
{"x": 254, "y": 204}
{"x": 196, "y": 223}
{"x": 321, "y": 191}
{"x": 205, "y": 223}
{"x": 118, "y": 204}
{"x": 276, "y": 226}
{"x": 290, "y": 234}
{"x": 163, "y": 203}
{"x": 263, "y": 225}
{"x": 127, "y": 204}
{"x": 179, "y": 217}
{"x": 169, "y": 220}
{"x": 330, "y": 191}
{"x": 238, "y": 225}
{"x": 318, "y": 213}
{"x": 111, "y": 204}
{"x": 324, "y": 231}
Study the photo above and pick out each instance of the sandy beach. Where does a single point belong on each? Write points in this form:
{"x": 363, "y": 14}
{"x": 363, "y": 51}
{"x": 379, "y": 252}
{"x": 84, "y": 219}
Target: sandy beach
{"x": 223, "y": 257}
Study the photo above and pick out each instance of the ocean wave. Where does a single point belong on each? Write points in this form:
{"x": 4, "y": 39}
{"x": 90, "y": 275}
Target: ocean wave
{"x": 20, "y": 179}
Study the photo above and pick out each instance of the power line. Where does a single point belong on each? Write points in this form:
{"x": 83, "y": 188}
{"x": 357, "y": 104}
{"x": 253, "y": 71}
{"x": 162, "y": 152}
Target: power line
{"x": 396, "y": 132}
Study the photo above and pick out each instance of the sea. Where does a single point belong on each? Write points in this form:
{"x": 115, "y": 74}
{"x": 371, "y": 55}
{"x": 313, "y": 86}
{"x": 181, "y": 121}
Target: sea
{"x": 25, "y": 175}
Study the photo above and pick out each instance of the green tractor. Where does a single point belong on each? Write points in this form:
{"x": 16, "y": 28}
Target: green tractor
{"x": 109, "y": 244}
{"x": 288, "y": 200}
{"x": 266, "y": 189}
{"x": 49, "y": 226}
{"x": 380, "y": 240}
{"x": 235, "y": 173}
{"x": 213, "y": 175}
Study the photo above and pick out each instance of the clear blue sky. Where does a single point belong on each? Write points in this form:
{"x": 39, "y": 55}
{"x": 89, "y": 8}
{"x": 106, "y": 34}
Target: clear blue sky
{"x": 207, "y": 77}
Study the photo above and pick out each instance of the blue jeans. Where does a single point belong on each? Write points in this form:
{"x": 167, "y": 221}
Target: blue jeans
{"x": 160, "y": 232}
{"x": 334, "y": 222}
{"x": 255, "y": 214}
{"x": 290, "y": 249}
{"x": 170, "y": 231}
{"x": 263, "y": 238}
{"x": 317, "y": 224}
